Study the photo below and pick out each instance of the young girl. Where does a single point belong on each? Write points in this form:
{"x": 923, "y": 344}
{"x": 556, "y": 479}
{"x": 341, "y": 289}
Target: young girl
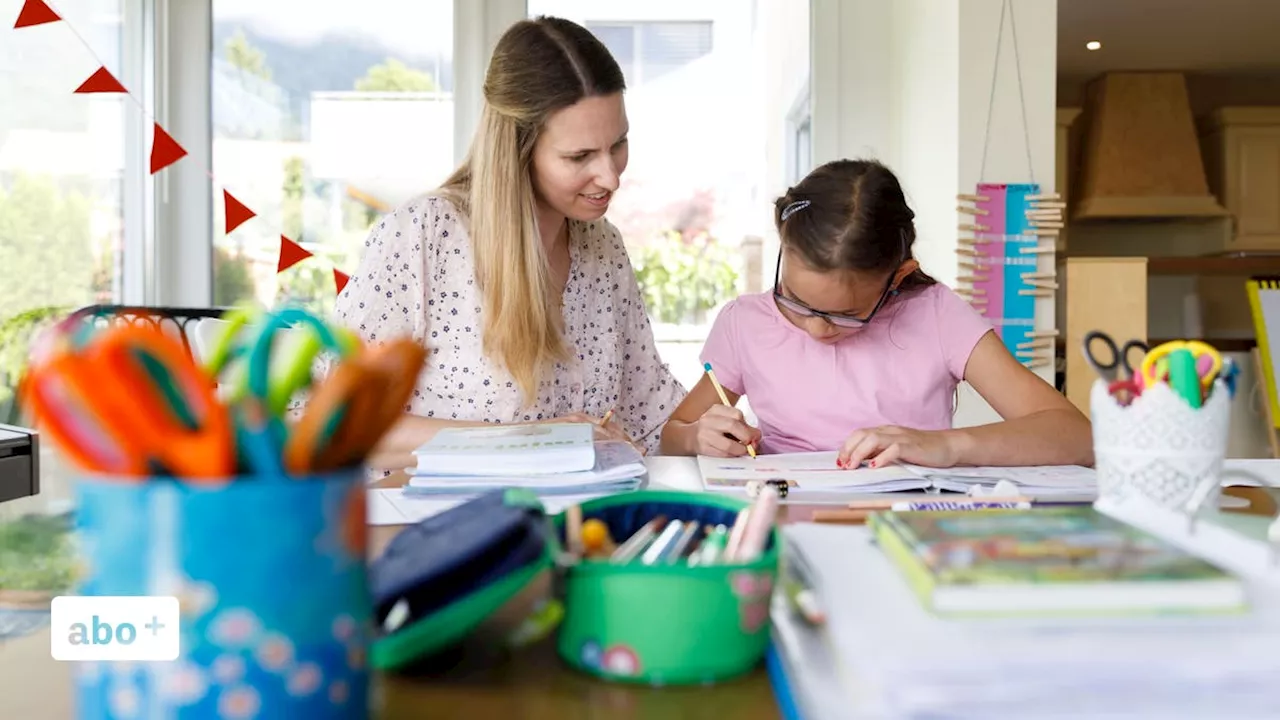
{"x": 855, "y": 349}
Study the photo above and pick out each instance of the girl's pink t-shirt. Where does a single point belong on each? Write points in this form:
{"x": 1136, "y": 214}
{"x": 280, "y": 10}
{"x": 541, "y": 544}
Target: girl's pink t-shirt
{"x": 902, "y": 368}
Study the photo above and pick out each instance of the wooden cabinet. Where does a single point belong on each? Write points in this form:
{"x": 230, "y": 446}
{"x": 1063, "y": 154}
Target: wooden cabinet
{"x": 1241, "y": 147}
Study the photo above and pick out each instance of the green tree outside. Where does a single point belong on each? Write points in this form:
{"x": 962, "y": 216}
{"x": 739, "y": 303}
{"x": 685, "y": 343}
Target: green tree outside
{"x": 243, "y": 55}
{"x": 395, "y": 76}
{"x": 232, "y": 281}
{"x": 46, "y": 251}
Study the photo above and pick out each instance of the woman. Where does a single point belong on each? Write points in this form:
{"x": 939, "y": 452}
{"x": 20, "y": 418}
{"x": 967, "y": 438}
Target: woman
{"x": 508, "y": 273}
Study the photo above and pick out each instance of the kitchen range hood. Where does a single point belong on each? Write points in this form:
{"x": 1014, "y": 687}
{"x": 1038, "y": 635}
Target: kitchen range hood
{"x": 1140, "y": 157}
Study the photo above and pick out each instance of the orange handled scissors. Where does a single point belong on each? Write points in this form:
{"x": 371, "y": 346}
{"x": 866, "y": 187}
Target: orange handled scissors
{"x": 353, "y": 408}
{"x": 131, "y": 402}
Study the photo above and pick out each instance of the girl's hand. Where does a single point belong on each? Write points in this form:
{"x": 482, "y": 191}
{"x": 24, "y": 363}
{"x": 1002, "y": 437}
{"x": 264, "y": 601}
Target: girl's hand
{"x": 888, "y": 444}
{"x": 722, "y": 431}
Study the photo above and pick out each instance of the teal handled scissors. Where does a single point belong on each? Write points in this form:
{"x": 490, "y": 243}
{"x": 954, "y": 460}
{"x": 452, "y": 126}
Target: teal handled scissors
{"x": 1114, "y": 367}
{"x": 261, "y": 409}
{"x": 289, "y": 357}
{"x": 131, "y": 402}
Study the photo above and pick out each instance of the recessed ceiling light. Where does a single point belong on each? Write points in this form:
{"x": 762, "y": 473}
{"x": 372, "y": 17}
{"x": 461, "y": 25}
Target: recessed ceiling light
{"x": 1093, "y": 45}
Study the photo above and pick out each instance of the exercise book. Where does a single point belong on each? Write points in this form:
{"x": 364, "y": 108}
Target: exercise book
{"x": 816, "y": 472}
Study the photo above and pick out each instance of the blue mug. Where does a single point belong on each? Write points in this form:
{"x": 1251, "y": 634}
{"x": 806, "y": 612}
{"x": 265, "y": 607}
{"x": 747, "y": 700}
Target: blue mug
{"x": 269, "y": 574}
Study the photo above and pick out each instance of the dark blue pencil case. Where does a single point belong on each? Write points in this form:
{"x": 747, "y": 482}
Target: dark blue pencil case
{"x": 437, "y": 580}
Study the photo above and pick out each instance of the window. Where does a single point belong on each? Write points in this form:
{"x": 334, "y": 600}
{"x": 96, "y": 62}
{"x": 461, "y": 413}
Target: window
{"x": 63, "y": 196}
{"x": 649, "y": 50}
{"x": 325, "y": 116}
{"x": 61, "y": 171}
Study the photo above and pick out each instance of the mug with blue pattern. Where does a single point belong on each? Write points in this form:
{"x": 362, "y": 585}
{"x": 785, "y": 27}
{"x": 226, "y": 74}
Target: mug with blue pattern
{"x": 272, "y": 594}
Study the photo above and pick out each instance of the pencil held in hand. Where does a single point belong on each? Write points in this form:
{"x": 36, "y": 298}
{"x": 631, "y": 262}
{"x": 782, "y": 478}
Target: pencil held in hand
{"x": 751, "y": 448}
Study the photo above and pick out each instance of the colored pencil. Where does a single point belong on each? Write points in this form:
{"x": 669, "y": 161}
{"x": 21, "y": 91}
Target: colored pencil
{"x": 724, "y": 398}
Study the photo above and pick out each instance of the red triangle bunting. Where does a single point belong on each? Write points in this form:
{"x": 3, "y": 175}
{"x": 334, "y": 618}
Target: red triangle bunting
{"x": 236, "y": 213}
{"x": 165, "y": 151}
{"x": 101, "y": 81}
{"x": 35, "y": 12}
{"x": 340, "y": 279}
{"x": 291, "y": 253}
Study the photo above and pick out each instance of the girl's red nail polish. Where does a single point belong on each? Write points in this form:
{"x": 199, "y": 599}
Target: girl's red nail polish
{"x": 872, "y": 463}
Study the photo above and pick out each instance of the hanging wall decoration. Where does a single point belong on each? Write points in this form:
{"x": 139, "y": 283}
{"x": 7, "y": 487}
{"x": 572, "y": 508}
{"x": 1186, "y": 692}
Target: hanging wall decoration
{"x": 1005, "y": 249}
{"x": 165, "y": 149}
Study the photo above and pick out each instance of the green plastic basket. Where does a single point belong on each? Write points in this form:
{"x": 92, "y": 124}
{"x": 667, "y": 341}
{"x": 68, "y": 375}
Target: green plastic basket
{"x": 666, "y": 624}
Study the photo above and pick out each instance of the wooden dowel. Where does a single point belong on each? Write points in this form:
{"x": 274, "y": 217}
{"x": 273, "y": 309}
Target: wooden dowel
{"x": 973, "y": 228}
{"x": 1036, "y": 250}
{"x": 1036, "y": 293}
{"x": 966, "y": 251}
{"x": 1055, "y": 225}
{"x": 1038, "y": 275}
{"x": 1041, "y": 231}
{"x": 1033, "y": 344}
{"x": 1053, "y": 333}
{"x": 972, "y": 198}
{"x": 1045, "y": 203}
{"x": 1046, "y": 284}
{"x": 972, "y": 210}
{"x": 1045, "y": 196}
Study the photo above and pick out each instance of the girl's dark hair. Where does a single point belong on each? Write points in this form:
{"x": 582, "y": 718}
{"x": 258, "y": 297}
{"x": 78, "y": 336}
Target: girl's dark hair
{"x": 850, "y": 215}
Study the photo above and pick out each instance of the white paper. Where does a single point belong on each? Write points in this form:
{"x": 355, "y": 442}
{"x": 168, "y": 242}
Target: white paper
{"x": 805, "y": 472}
{"x": 400, "y": 508}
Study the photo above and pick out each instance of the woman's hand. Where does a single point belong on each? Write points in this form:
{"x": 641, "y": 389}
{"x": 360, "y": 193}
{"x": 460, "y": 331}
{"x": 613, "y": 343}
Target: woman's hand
{"x": 608, "y": 430}
{"x": 722, "y": 431}
{"x": 888, "y": 444}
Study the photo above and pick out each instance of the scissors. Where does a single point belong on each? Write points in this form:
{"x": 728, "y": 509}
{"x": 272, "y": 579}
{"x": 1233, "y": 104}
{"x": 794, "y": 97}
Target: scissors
{"x": 1207, "y": 361}
{"x": 230, "y": 358}
{"x": 261, "y": 407}
{"x": 131, "y": 402}
{"x": 351, "y": 410}
{"x": 1115, "y": 367}
{"x": 353, "y": 407}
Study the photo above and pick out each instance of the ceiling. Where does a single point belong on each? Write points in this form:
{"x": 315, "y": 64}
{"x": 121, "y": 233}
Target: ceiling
{"x": 1207, "y": 36}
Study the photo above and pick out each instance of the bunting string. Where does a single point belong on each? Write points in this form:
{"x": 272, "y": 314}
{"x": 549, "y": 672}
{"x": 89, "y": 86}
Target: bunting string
{"x": 165, "y": 149}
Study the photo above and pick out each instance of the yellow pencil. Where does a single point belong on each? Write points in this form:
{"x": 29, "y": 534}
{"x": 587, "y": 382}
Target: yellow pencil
{"x": 605, "y": 420}
{"x": 724, "y": 399}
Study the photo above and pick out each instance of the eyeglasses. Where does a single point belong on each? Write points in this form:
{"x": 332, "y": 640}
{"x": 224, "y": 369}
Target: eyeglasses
{"x": 843, "y": 320}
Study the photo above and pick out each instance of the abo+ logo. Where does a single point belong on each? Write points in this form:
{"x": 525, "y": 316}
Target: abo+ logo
{"x": 114, "y": 628}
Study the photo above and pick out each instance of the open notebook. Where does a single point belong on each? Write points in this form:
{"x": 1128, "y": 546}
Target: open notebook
{"x": 807, "y": 473}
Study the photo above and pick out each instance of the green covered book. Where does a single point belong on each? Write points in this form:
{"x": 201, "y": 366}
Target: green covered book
{"x": 1047, "y": 561}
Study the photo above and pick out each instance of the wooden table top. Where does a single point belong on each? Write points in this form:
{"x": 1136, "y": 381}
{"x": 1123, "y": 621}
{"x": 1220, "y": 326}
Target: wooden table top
{"x": 475, "y": 681}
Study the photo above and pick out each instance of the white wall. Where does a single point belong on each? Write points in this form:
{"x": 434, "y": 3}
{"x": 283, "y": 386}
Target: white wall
{"x": 925, "y": 132}
{"x": 910, "y": 82}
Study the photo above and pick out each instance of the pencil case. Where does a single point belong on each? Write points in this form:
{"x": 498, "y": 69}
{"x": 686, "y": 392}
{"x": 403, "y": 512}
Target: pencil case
{"x": 440, "y": 580}
{"x": 666, "y": 624}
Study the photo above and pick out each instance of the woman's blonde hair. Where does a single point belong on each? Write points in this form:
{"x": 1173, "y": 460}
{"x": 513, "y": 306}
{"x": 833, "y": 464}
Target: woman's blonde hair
{"x": 538, "y": 67}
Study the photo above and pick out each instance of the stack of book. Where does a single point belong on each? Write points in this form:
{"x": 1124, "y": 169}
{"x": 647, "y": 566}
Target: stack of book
{"x": 547, "y": 459}
{"x": 1041, "y": 613}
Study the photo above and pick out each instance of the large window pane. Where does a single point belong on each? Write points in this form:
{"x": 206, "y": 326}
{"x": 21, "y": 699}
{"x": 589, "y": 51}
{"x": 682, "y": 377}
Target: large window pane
{"x": 717, "y": 99}
{"x": 325, "y": 116}
{"x": 61, "y": 190}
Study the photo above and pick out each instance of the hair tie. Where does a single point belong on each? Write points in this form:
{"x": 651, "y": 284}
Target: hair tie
{"x": 793, "y": 208}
